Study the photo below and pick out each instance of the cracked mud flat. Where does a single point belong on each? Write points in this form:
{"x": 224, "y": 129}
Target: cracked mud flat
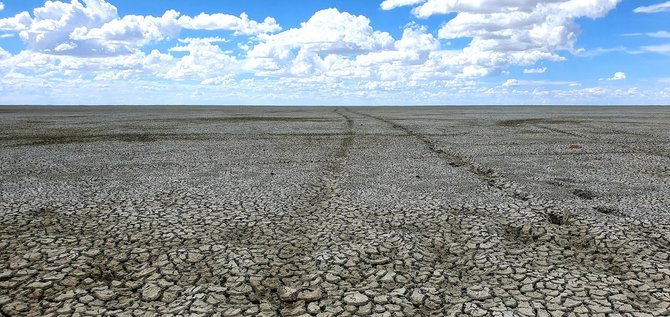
{"x": 189, "y": 211}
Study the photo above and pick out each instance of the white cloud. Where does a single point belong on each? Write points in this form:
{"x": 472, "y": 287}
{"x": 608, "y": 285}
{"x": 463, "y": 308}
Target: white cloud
{"x": 656, "y": 8}
{"x": 330, "y": 44}
{"x": 72, "y": 68}
{"x": 52, "y": 25}
{"x": 331, "y": 32}
{"x": 18, "y": 22}
{"x": 598, "y": 51}
{"x": 226, "y": 80}
{"x": 335, "y": 54}
{"x": 4, "y": 54}
{"x": 659, "y": 49}
{"x": 584, "y": 92}
{"x": 338, "y": 44}
{"x": 93, "y": 28}
{"x": 240, "y": 25}
{"x": 535, "y": 70}
{"x": 513, "y": 32}
{"x": 392, "y": 4}
{"x": 658, "y": 34}
{"x": 573, "y": 8}
{"x": 511, "y": 83}
{"x": 130, "y": 32}
{"x": 65, "y": 47}
{"x": 618, "y": 76}
{"x": 2, "y": 6}
{"x": 205, "y": 60}
{"x": 412, "y": 49}
{"x": 515, "y": 82}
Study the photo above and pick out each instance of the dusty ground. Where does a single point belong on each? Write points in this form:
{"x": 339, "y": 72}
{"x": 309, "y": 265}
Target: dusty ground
{"x": 335, "y": 212}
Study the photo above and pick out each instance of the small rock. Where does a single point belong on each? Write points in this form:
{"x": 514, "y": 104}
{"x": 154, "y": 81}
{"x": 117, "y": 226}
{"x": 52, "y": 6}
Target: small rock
{"x": 91, "y": 252}
{"x": 32, "y": 256}
{"x": 86, "y": 299}
{"x": 66, "y": 309}
{"x": 194, "y": 257}
{"x": 15, "y": 308}
{"x": 40, "y": 285}
{"x": 151, "y": 292}
{"x": 271, "y": 283}
{"x": 65, "y": 296}
{"x": 295, "y": 309}
{"x": 200, "y": 306}
{"x": 232, "y": 312}
{"x": 310, "y": 295}
{"x": 417, "y": 297}
{"x": 313, "y": 308}
{"x": 287, "y": 294}
{"x": 479, "y": 293}
{"x": 104, "y": 295}
{"x": 356, "y": 299}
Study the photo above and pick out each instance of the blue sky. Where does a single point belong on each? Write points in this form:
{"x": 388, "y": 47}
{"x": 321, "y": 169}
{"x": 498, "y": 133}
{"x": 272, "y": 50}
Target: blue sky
{"x": 317, "y": 52}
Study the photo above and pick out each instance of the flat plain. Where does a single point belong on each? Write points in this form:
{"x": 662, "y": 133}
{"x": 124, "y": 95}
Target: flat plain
{"x": 250, "y": 211}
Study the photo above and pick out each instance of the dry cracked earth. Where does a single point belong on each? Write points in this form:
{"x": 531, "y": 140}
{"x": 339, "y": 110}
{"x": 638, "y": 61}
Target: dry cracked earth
{"x": 192, "y": 211}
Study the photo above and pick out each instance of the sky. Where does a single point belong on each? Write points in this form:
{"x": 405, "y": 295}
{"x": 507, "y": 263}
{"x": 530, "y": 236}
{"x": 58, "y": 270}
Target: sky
{"x": 339, "y": 52}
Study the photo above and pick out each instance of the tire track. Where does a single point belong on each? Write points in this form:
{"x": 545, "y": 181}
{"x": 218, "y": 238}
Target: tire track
{"x": 308, "y": 216}
{"x": 557, "y": 215}
{"x": 487, "y": 175}
{"x": 296, "y": 236}
{"x": 560, "y": 218}
{"x": 654, "y": 235}
{"x": 560, "y": 227}
{"x": 633, "y": 149}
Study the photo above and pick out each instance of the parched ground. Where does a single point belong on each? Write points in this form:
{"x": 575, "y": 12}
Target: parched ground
{"x": 191, "y": 211}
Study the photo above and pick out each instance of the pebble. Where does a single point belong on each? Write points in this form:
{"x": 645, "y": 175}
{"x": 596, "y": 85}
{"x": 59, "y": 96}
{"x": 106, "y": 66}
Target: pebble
{"x": 151, "y": 292}
{"x": 356, "y": 299}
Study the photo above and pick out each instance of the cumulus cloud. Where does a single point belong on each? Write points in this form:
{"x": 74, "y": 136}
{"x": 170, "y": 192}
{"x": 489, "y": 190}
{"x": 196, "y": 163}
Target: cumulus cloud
{"x": 16, "y": 23}
{"x": 51, "y": 26}
{"x": 656, "y": 8}
{"x": 4, "y": 54}
{"x": 205, "y": 60}
{"x": 618, "y": 76}
{"x": 535, "y": 70}
{"x": 513, "y": 32}
{"x": 130, "y": 32}
{"x": 69, "y": 68}
{"x": 93, "y": 28}
{"x": 2, "y": 6}
{"x": 331, "y": 32}
{"x": 414, "y": 48}
{"x": 333, "y": 53}
{"x": 339, "y": 44}
{"x": 241, "y": 25}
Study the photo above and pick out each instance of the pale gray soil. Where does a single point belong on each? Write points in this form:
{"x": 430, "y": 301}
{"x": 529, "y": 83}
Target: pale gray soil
{"x": 334, "y": 211}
